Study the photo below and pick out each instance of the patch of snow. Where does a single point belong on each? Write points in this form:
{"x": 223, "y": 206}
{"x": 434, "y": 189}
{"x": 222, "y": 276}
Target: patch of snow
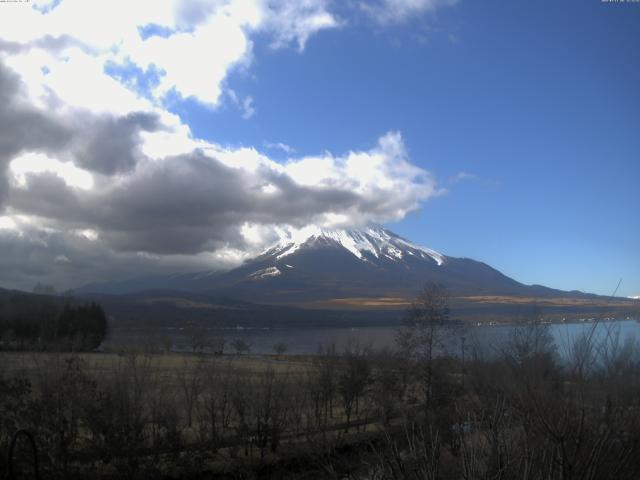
{"x": 394, "y": 252}
{"x": 345, "y": 239}
{"x": 288, "y": 250}
{"x": 438, "y": 257}
{"x": 265, "y": 273}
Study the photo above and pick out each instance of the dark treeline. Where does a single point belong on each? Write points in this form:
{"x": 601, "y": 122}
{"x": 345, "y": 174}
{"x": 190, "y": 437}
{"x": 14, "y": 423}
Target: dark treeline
{"x": 39, "y": 322}
{"x": 411, "y": 413}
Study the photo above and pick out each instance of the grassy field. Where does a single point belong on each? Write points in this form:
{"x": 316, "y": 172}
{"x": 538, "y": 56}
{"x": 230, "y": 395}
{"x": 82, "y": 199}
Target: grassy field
{"x": 359, "y": 414}
{"x": 136, "y": 410}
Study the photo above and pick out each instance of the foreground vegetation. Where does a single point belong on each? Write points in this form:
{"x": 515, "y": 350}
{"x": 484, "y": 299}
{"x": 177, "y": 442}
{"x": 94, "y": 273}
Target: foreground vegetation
{"x": 411, "y": 413}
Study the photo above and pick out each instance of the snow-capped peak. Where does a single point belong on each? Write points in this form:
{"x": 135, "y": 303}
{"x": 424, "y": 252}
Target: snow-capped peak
{"x": 375, "y": 241}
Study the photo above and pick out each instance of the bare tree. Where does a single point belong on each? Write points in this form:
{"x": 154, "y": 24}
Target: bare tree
{"x": 190, "y": 379}
{"x": 353, "y": 379}
{"x": 198, "y": 337}
{"x": 240, "y": 346}
{"x": 427, "y": 325}
{"x": 388, "y": 383}
{"x": 280, "y": 348}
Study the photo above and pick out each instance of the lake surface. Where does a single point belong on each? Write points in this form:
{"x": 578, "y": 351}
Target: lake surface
{"x": 307, "y": 341}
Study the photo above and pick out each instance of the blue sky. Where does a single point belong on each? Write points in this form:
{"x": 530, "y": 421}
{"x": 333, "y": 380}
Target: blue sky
{"x": 523, "y": 119}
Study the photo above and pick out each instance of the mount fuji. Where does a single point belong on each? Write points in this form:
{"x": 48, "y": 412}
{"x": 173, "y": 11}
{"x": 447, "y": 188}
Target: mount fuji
{"x": 324, "y": 267}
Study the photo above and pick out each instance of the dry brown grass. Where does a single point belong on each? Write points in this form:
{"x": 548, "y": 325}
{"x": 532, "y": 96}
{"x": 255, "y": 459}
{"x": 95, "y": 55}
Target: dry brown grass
{"x": 385, "y": 303}
{"x": 559, "y": 302}
{"x": 400, "y": 303}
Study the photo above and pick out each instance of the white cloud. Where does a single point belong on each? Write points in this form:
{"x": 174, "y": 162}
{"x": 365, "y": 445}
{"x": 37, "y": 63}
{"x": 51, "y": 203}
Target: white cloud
{"x": 384, "y": 172}
{"x": 7, "y": 223}
{"x": 88, "y": 233}
{"x": 310, "y": 171}
{"x": 461, "y": 177}
{"x": 245, "y": 105}
{"x": 248, "y": 110}
{"x": 31, "y": 163}
{"x": 204, "y": 41}
{"x": 288, "y": 149}
{"x": 79, "y": 81}
{"x": 397, "y": 11}
{"x": 295, "y": 21}
{"x": 195, "y": 63}
{"x": 168, "y": 143}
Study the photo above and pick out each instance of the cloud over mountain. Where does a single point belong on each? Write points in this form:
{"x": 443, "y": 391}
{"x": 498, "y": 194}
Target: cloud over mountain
{"x": 97, "y": 176}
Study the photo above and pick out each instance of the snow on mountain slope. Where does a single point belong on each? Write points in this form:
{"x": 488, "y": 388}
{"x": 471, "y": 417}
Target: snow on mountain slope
{"x": 370, "y": 242}
{"x": 265, "y": 273}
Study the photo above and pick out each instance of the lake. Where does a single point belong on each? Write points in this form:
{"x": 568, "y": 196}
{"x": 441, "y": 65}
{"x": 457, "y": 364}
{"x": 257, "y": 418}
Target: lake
{"x": 306, "y": 341}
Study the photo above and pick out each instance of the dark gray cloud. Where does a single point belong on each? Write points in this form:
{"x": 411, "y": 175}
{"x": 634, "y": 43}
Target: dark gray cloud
{"x": 49, "y": 43}
{"x": 66, "y": 260}
{"x": 105, "y": 144}
{"x": 10, "y": 47}
{"x": 23, "y": 128}
{"x": 108, "y": 144}
{"x": 181, "y": 205}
